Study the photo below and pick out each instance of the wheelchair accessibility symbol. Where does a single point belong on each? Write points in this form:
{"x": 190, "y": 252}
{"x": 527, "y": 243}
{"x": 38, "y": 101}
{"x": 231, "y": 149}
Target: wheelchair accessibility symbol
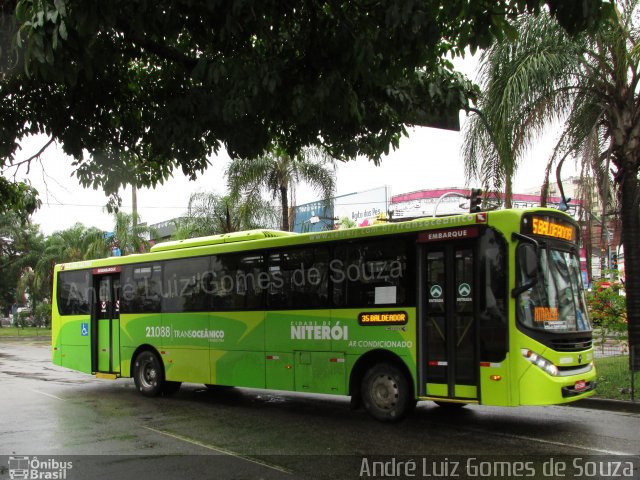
{"x": 84, "y": 329}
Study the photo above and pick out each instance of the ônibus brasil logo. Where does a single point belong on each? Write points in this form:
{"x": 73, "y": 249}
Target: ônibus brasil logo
{"x": 32, "y": 468}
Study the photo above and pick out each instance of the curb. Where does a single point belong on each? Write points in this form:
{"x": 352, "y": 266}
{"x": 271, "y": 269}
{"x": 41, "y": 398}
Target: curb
{"x": 26, "y": 337}
{"x": 607, "y": 404}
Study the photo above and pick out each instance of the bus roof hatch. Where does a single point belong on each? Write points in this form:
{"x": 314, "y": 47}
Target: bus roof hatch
{"x": 218, "y": 239}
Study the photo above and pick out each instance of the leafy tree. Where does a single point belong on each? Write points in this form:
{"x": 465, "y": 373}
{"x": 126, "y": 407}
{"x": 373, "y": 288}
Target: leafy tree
{"x": 211, "y": 214}
{"x": 607, "y": 308}
{"x": 133, "y": 89}
{"x": 592, "y": 79}
{"x": 21, "y": 245}
{"x": 23, "y": 319}
{"x": 17, "y": 196}
{"x": 42, "y": 315}
{"x": 278, "y": 173}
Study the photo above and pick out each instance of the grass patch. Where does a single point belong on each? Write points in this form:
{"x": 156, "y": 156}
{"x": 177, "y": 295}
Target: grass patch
{"x": 24, "y": 332}
{"x": 613, "y": 377}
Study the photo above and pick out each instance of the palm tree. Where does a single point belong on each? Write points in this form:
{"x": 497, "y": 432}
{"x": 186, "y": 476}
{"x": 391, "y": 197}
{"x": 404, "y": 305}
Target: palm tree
{"x": 129, "y": 234}
{"x": 278, "y": 173}
{"x": 211, "y": 214}
{"x": 489, "y": 152}
{"x": 590, "y": 81}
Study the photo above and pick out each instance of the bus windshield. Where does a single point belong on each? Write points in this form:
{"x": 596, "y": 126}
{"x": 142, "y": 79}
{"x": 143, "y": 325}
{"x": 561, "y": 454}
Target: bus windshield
{"x": 556, "y": 300}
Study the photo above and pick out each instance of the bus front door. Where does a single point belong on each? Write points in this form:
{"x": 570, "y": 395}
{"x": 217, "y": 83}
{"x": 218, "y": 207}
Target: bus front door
{"x": 105, "y": 336}
{"x": 448, "y": 359}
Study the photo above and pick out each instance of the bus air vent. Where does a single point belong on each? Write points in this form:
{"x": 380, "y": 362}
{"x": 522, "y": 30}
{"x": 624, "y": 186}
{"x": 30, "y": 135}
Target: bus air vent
{"x": 571, "y": 344}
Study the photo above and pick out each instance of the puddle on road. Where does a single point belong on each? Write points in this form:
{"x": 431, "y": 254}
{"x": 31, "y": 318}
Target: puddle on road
{"x": 31, "y": 375}
{"x": 41, "y": 377}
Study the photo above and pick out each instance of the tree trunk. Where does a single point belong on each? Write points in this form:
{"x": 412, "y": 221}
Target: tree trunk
{"x": 284, "y": 201}
{"x": 508, "y": 190}
{"x": 630, "y": 194}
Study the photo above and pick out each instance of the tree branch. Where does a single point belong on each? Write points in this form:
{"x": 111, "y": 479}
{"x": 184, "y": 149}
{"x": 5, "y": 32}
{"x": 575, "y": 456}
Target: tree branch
{"x": 30, "y": 159}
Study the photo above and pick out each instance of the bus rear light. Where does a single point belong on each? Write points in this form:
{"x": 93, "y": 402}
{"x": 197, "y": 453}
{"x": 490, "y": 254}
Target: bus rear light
{"x": 495, "y": 378}
{"x": 540, "y": 362}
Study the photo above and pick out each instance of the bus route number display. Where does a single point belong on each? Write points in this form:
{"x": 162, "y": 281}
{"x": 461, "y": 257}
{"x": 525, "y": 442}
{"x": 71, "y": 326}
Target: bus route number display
{"x": 549, "y": 227}
{"x": 383, "y": 318}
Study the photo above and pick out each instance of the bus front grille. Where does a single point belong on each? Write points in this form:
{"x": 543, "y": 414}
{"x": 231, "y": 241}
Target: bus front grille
{"x": 571, "y": 344}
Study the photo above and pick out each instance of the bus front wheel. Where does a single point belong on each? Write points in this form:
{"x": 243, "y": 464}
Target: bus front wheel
{"x": 385, "y": 393}
{"x": 148, "y": 374}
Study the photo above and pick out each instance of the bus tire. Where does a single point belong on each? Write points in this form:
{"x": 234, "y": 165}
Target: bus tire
{"x": 386, "y": 394}
{"x": 148, "y": 374}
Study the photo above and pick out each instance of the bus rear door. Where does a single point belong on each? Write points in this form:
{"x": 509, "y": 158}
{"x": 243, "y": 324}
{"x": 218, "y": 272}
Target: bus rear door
{"x": 447, "y": 330}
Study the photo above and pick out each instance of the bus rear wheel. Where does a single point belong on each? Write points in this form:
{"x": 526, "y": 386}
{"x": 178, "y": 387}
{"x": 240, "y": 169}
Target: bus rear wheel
{"x": 385, "y": 393}
{"x": 148, "y": 374}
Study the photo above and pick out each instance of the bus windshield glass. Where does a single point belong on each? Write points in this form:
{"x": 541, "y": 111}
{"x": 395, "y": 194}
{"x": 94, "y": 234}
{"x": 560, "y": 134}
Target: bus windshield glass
{"x": 555, "y": 302}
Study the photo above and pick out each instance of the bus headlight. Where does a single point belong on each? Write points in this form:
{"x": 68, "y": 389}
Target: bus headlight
{"x": 540, "y": 362}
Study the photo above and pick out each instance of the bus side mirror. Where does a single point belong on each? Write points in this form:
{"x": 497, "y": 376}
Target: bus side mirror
{"x": 528, "y": 259}
{"x": 527, "y": 254}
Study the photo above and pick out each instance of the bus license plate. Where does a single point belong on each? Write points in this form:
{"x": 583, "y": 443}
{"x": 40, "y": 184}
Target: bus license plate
{"x": 580, "y": 385}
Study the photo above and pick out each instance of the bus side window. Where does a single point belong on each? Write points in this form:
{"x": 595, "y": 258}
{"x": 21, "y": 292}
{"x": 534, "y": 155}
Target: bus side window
{"x": 299, "y": 278}
{"x": 185, "y": 285}
{"x": 142, "y": 288}
{"x": 237, "y": 281}
{"x": 371, "y": 272}
{"x": 492, "y": 327}
{"x": 73, "y": 292}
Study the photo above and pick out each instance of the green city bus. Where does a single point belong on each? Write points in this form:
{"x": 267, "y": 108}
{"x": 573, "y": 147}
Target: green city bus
{"x": 484, "y": 308}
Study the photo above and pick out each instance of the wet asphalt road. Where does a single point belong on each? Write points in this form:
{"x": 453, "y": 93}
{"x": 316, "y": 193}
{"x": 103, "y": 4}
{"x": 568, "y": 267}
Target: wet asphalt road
{"x": 239, "y": 433}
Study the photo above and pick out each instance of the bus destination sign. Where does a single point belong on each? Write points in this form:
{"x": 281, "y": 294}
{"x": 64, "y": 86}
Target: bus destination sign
{"x": 552, "y": 227}
{"x": 383, "y": 318}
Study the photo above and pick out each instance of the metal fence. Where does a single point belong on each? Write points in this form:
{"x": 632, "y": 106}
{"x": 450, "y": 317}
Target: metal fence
{"x": 614, "y": 377}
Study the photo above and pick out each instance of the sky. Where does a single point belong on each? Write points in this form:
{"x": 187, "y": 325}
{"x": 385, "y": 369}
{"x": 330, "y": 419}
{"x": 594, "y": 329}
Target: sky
{"x": 426, "y": 159}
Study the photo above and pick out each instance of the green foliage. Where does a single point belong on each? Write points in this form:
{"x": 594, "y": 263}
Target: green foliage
{"x": 607, "y": 307}
{"x": 614, "y": 377}
{"x": 42, "y": 315}
{"x": 73, "y": 244}
{"x": 133, "y": 89}
{"x": 19, "y": 197}
{"x": 21, "y": 246}
{"x": 277, "y": 173}
{"x": 211, "y": 214}
{"x": 23, "y": 319}
{"x": 346, "y": 222}
{"x": 129, "y": 234}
